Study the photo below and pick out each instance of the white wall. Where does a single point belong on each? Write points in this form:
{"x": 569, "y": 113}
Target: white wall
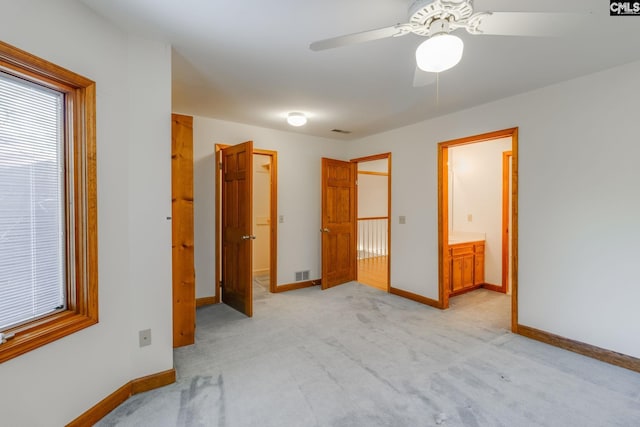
{"x": 476, "y": 190}
{"x": 149, "y": 186}
{"x": 578, "y": 207}
{"x": 380, "y": 165}
{"x": 578, "y": 203}
{"x": 372, "y": 195}
{"x": 299, "y": 178}
{"x": 134, "y": 238}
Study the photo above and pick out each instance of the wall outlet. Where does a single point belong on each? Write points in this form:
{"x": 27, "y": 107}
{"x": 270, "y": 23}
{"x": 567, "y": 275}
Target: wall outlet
{"x": 469, "y": 217}
{"x": 281, "y": 219}
{"x": 145, "y": 337}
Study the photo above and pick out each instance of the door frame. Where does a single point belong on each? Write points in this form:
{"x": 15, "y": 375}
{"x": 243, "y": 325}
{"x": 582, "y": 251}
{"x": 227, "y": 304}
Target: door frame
{"x": 273, "y": 218}
{"x": 368, "y": 159}
{"x": 506, "y": 157}
{"x": 182, "y": 226}
{"x": 443, "y": 213}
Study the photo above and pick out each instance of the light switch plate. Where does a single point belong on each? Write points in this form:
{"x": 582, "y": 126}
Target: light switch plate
{"x": 145, "y": 337}
{"x": 402, "y": 219}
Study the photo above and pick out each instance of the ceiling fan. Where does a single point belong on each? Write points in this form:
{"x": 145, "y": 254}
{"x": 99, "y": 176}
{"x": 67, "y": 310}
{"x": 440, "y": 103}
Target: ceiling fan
{"x": 437, "y": 19}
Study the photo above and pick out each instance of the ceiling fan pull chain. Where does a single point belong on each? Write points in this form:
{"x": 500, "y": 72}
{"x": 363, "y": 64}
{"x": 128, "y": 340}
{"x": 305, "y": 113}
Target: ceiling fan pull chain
{"x": 437, "y": 89}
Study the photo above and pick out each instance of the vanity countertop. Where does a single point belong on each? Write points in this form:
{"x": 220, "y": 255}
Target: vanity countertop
{"x": 465, "y": 236}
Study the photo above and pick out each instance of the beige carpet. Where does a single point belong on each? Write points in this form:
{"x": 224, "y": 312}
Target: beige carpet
{"x": 355, "y": 356}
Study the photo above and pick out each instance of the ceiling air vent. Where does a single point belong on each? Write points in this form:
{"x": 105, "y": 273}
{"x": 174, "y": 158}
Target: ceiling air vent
{"x": 346, "y": 132}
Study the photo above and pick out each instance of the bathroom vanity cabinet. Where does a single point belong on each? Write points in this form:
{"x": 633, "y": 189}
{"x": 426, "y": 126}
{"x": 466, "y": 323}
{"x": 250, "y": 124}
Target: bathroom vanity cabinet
{"x": 466, "y": 267}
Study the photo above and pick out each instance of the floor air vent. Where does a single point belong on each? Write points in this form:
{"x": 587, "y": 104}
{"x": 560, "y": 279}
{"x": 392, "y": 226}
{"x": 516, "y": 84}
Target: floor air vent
{"x": 302, "y": 275}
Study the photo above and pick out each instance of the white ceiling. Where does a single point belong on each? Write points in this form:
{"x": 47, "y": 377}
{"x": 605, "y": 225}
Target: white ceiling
{"x": 249, "y": 61}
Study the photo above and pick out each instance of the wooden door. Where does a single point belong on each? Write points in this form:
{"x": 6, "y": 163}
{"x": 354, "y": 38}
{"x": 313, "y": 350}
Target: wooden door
{"x": 183, "y": 270}
{"x": 237, "y": 174}
{"x": 457, "y": 273}
{"x": 338, "y": 222}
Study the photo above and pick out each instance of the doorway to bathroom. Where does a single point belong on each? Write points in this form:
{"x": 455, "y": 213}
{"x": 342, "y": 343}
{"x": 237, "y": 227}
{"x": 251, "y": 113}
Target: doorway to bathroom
{"x": 477, "y": 216}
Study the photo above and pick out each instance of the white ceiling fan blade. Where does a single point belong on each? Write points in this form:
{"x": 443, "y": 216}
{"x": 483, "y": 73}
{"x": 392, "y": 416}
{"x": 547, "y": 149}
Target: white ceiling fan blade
{"x": 354, "y": 38}
{"x": 531, "y": 23}
{"x": 423, "y": 78}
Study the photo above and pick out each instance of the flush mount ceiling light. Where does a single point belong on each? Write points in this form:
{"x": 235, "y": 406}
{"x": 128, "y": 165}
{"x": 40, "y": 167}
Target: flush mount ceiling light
{"x": 441, "y": 51}
{"x": 296, "y": 119}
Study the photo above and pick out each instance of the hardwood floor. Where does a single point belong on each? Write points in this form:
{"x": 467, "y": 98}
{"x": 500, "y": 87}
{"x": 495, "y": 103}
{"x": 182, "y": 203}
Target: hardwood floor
{"x": 373, "y": 272}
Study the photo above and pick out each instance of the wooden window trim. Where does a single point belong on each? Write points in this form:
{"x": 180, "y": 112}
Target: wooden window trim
{"x": 80, "y": 149}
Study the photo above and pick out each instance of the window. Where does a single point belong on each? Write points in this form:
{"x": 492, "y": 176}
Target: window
{"x": 32, "y": 231}
{"x": 48, "y": 229}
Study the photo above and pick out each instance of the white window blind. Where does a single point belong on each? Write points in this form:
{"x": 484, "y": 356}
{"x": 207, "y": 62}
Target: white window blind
{"x": 32, "y": 218}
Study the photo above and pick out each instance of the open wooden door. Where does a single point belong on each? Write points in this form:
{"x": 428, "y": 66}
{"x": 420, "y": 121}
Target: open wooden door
{"x": 237, "y": 187}
{"x": 338, "y": 222}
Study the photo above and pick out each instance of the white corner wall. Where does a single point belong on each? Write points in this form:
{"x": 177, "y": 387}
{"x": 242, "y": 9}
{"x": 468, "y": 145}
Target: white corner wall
{"x": 578, "y": 203}
{"x": 149, "y": 187}
{"x": 299, "y": 201}
{"x": 134, "y": 237}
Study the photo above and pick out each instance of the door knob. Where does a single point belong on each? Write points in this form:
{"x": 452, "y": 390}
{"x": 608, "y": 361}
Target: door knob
{"x": 248, "y": 237}
{"x": 324, "y": 230}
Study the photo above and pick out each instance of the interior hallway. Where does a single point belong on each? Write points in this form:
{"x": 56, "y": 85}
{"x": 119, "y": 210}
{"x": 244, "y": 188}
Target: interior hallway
{"x": 373, "y": 272}
{"x": 355, "y": 356}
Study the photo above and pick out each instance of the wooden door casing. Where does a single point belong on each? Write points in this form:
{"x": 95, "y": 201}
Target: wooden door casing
{"x": 237, "y": 199}
{"x": 506, "y": 218}
{"x": 338, "y": 222}
{"x": 182, "y": 248}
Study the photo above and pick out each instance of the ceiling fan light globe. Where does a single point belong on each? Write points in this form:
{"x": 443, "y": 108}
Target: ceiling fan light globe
{"x": 297, "y": 119}
{"x": 439, "y": 53}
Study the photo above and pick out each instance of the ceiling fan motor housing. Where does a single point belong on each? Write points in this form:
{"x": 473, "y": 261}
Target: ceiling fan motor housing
{"x": 425, "y": 12}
